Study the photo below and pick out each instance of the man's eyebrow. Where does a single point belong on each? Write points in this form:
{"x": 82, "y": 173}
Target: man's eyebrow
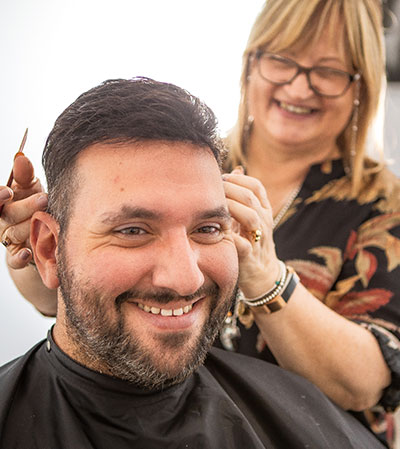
{"x": 219, "y": 212}
{"x": 128, "y": 212}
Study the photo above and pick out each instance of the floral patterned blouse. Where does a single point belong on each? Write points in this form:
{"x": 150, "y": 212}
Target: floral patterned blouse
{"x": 347, "y": 253}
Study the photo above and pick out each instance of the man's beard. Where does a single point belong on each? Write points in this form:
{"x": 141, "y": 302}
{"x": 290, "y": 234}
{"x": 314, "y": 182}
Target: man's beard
{"x": 105, "y": 344}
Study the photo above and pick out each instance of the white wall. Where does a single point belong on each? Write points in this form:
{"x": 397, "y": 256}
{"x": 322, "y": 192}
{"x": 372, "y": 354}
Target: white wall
{"x": 53, "y": 50}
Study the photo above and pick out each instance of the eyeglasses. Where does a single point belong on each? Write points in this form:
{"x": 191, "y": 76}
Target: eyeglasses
{"x": 323, "y": 81}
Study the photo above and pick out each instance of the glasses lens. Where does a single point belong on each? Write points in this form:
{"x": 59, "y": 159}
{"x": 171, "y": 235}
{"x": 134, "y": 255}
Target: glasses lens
{"x": 328, "y": 81}
{"x": 324, "y": 80}
{"x": 276, "y": 69}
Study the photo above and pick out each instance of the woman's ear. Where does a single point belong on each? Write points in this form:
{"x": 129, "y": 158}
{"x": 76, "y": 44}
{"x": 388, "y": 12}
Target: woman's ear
{"x": 44, "y": 241}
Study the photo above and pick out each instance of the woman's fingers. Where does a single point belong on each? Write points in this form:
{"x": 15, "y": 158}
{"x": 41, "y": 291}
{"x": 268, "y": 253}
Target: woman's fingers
{"x": 17, "y": 235}
{"x": 247, "y": 217}
{"x": 25, "y": 183}
{"x": 23, "y": 172}
{"x": 251, "y": 210}
{"x": 6, "y": 194}
{"x": 242, "y": 194}
{"x": 15, "y": 228}
{"x": 20, "y": 259}
{"x": 19, "y": 211}
{"x": 25, "y": 197}
{"x": 249, "y": 206}
{"x": 16, "y": 239}
{"x": 252, "y": 185}
{"x": 243, "y": 246}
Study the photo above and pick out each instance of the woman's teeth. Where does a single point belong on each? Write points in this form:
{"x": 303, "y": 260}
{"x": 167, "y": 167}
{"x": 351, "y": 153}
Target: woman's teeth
{"x": 165, "y": 312}
{"x": 294, "y": 109}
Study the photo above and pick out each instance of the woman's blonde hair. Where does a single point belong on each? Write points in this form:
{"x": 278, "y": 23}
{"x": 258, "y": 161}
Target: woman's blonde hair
{"x": 295, "y": 24}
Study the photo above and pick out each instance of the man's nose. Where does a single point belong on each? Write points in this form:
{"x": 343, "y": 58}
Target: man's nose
{"x": 177, "y": 266}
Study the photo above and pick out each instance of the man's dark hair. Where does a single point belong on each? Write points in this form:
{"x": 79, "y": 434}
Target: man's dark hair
{"x": 121, "y": 111}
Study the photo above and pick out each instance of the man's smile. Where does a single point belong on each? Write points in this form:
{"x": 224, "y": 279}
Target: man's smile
{"x": 174, "y": 316}
{"x": 165, "y": 312}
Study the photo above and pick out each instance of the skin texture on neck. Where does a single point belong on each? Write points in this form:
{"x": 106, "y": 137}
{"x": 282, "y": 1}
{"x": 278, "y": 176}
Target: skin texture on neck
{"x": 287, "y": 167}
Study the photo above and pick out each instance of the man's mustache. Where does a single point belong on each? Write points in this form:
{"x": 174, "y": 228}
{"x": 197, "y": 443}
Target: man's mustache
{"x": 165, "y": 295}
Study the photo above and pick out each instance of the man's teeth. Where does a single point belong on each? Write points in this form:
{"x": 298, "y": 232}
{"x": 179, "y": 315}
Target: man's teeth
{"x": 165, "y": 312}
{"x": 295, "y": 109}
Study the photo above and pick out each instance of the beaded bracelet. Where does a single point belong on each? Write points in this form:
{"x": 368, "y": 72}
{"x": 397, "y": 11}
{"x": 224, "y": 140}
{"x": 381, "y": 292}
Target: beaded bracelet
{"x": 270, "y": 294}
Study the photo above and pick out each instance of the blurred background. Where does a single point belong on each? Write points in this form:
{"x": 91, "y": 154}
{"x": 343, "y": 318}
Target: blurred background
{"x": 52, "y": 50}
{"x": 392, "y": 106}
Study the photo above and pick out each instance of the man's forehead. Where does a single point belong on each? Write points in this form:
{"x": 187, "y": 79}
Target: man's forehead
{"x": 144, "y": 152}
{"x": 150, "y": 174}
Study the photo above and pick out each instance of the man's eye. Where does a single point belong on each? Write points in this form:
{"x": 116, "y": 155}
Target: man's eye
{"x": 209, "y": 230}
{"x": 131, "y": 230}
{"x": 208, "y": 234}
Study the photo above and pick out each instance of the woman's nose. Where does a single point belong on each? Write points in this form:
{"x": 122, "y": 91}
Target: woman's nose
{"x": 300, "y": 87}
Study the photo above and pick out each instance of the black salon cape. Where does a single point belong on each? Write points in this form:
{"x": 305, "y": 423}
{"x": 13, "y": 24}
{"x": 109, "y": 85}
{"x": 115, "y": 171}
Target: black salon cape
{"x": 47, "y": 401}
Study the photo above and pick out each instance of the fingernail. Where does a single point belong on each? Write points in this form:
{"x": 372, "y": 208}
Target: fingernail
{"x": 25, "y": 254}
{"x": 42, "y": 201}
{"x": 6, "y": 194}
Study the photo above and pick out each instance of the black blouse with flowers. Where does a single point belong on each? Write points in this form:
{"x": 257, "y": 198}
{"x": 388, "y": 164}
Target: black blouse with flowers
{"x": 347, "y": 253}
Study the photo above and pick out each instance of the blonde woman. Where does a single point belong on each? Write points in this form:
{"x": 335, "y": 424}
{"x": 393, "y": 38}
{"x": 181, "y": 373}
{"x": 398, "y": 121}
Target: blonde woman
{"x": 313, "y": 76}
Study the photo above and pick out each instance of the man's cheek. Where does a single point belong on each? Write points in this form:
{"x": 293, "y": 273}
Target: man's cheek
{"x": 223, "y": 266}
{"x": 114, "y": 271}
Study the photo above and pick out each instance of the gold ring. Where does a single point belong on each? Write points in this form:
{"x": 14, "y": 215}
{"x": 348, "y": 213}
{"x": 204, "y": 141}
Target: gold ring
{"x": 256, "y": 235}
{"x": 6, "y": 241}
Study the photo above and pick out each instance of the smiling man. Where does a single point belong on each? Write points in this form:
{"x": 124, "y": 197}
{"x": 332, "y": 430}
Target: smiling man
{"x": 137, "y": 240}
{"x": 146, "y": 267}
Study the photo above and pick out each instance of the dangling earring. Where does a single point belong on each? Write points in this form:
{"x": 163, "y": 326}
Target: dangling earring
{"x": 230, "y": 332}
{"x": 249, "y": 124}
{"x": 246, "y": 132}
{"x": 354, "y": 126}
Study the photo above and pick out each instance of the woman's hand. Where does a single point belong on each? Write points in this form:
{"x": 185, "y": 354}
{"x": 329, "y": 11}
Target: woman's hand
{"x": 25, "y": 197}
{"x": 249, "y": 206}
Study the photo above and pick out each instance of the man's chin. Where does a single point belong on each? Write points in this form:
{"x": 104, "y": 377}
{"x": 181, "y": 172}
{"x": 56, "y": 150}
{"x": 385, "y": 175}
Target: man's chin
{"x": 174, "y": 342}
{"x": 178, "y": 354}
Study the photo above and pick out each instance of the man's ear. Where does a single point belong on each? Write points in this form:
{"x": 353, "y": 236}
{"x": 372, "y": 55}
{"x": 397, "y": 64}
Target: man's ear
{"x": 44, "y": 241}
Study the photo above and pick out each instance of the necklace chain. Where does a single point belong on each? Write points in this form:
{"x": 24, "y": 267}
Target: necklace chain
{"x": 286, "y": 206}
